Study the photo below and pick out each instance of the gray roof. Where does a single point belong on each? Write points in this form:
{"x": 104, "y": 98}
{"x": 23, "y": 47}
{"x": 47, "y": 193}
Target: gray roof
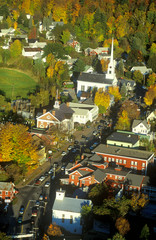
{"x": 94, "y": 77}
{"x": 124, "y": 152}
{"x": 134, "y": 179}
{"x": 6, "y": 186}
{"x": 70, "y": 204}
{"x": 95, "y": 158}
{"x": 123, "y": 137}
{"x": 99, "y": 175}
{"x": 64, "y": 112}
{"x": 137, "y": 122}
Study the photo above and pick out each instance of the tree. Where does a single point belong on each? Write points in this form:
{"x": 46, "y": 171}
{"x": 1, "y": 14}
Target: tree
{"x": 16, "y": 146}
{"x": 115, "y": 92}
{"x": 138, "y": 77}
{"x": 79, "y": 66}
{"x": 98, "y": 193}
{"x": 151, "y": 62}
{"x": 3, "y": 236}
{"x": 117, "y": 236}
{"x": 55, "y": 48}
{"x": 122, "y": 225}
{"x": 3, "y": 102}
{"x": 54, "y": 230}
{"x": 150, "y": 95}
{"x": 131, "y": 108}
{"x": 151, "y": 79}
{"x": 16, "y": 49}
{"x": 86, "y": 215}
{"x": 123, "y": 91}
{"x": 123, "y": 122}
{"x": 102, "y": 100}
{"x": 104, "y": 64}
{"x": 65, "y": 36}
{"x": 138, "y": 201}
{"x": 145, "y": 232}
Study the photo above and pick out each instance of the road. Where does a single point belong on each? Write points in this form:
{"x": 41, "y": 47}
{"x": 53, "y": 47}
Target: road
{"x": 28, "y": 195}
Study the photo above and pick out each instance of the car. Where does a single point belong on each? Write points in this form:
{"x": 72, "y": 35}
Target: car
{"x": 73, "y": 150}
{"x": 37, "y": 182}
{"x": 53, "y": 177}
{"x": 87, "y": 139}
{"x": 32, "y": 220}
{"x": 42, "y": 178}
{"x": 63, "y": 167}
{"x": 46, "y": 174}
{"x": 51, "y": 170}
{"x": 37, "y": 204}
{"x": 41, "y": 197}
{"x": 21, "y": 210}
{"x": 63, "y": 153}
{"x": 94, "y": 133}
{"x": 83, "y": 136}
{"x": 99, "y": 127}
{"x": 47, "y": 184}
{"x": 70, "y": 147}
{"x": 55, "y": 164}
{"x": 19, "y": 219}
{"x": 34, "y": 212}
{"x": 76, "y": 142}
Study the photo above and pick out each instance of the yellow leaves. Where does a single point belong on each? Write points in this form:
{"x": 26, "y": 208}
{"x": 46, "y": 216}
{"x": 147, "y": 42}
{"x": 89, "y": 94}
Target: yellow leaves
{"x": 59, "y": 67}
{"x": 50, "y": 72}
{"x": 102, "y": 99}
{"x": 115, "y": 92}
{"x": 111, "y": 24}
{"x": 16, "y": 48}
{"x": 122, "y": 225}
{"x": 26, "y": 6}
{"x": 108, "y": 42}
{"x": 123, "y": 121}
{"x": 59, "y": 12}
{"x": 121, "y": 26}
{"x": 150, "y": 95}
{"x": 15, "y": 14}
{"x": 104, "y": 64}
{"x": 15, "y": 25}
{"x": 54, "y": 230}
{"x": 151, "y": 79}
{"x": 138, "y": 201}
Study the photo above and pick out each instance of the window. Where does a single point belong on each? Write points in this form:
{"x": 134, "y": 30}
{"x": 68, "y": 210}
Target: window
{"x": 130, "y": 188}
{"x": 132, "y": 162}
{"x": 117, "y": 160}
{"x": 82, "y": 88}
{"x": 143, "y": 164}
{"x": 120, "y": 161}
{"x": 63, "y": 218}
{"x": 6, "y": 192}
{"x": 112, "y": 159}
{"x": 71, "y": 219}
{"x": 136, "y": 163}
{"x": 109, "y": 159}
{"x": 120, "y": 178}
{"x": 72, "y": 177}
{"x": 124, "y": 161}
{"x": 116, "y": 177}
{"x": 83, "y": 181}
{"x": 105, "y": 158}
{"x": 110, "y": 175}
{"x": 0, "y": 192}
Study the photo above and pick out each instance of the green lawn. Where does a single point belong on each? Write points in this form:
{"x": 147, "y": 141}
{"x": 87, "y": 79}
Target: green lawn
{"x": 15, "y": 83}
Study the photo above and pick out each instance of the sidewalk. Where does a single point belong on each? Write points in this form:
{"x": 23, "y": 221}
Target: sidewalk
{"x": 45, "y": 166}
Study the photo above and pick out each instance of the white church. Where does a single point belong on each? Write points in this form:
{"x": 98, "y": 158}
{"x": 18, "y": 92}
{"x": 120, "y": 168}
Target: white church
{"x": 88, "y": 81}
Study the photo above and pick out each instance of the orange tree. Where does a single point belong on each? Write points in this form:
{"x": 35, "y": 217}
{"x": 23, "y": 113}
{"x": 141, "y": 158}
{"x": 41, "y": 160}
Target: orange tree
{"x": 16, "y": 146}
{"x": 54, "y": 230}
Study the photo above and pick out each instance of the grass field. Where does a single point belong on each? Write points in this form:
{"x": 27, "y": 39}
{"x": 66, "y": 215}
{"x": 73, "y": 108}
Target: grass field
{"x": 15, "y": 83}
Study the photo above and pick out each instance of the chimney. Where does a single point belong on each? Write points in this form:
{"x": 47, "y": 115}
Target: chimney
{"x": 76, "y": 162}
{"x": 67, "y": 104}
{"x": 44, "y": 111}
{"x": 82, "y": 157}
{"x": 76, "y": 197}
{"x": 53, "y": 112}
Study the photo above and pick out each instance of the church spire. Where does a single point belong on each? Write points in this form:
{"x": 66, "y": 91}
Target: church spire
{"x": 111, "y": 71}
{"x": 56, "y": 105}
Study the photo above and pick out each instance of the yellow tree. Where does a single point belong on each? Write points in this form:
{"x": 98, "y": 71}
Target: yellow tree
{"x": 102, "y": 100}
{"x": 123, "y": 122}
{"x": 151, "y": 79}
{"x": 115, "y": 92}
{"x": 60, "y": 12}
{"x": 16, "y": 48}
{"x": 50, "y": 59}
{"x": 138, "y": 201}
{"x": 50, "y": 72}
{"x": 104, "y": 64}
{"x": 26, "y": 6}
{"x": 122, "y": 225}
{"x": 54, "y": 230}
{"x": 150, "y": 95}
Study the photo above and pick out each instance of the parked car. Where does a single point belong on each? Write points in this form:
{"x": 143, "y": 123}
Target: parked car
{"x": 19, "y": 219}
{"x": 51, "y": 170}
{"x": 94, "y": 133}
{"x": 70, "y": 147}
{"x": 41, "y": 197}
{"x": 63, "y": 153}
{"x": 42, "y": 178}
{"x": 37, "y": 182}
{"x": 37, "y": 204}
{"x": 47, "y": 184}
{"x": 21, "y": 210}
{"x": 55, "y": 164}
{"x": 46, "y": 174}
{"x": 32, "y": 220}
{"x": 52, "y": 177}
{"x": 34, "y": 212}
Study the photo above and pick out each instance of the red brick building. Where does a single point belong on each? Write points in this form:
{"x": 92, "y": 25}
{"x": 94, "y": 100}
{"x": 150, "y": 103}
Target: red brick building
{"x": 7, "y": 191}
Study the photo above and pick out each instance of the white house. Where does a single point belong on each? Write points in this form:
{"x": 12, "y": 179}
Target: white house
{"x": 88, "y": 81}
{"x": 66, "y": 212}
{"x": 31, "y": 52}
{"x": 84, "y": 112}
{"x": 141, "y": 127}
{"x": 151, "y": 116}
{"x": 143, "y": 69}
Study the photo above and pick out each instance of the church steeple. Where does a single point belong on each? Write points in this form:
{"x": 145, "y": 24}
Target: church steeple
{"x": 111, "y": 71}
{"x": 56, "y": 105}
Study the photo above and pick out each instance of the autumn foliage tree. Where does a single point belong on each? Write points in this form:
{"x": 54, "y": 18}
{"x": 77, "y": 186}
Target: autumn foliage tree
{"x": 16, "y": 48}
{"x": 54, "y": 230}
{"x": 131, "y": 108}
{"x": 122, "y": 225}
{"x": 150, "y": 95}
{"x": 151, "y": 79}
{"x": 115, "y": 92}
{"x": 138, "y": 201}
{"x": 123, "y": 122}
{"x": 102, "y": 100}
{"x": 16, "y": 146}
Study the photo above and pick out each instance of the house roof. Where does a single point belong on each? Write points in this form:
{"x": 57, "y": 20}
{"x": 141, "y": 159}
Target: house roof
{"x": 99, "y": 175}
{"x": 27, "y": 49}
{"x": 134, "y": 179}
{"x": 6, "y": 186}
{"x": 137, "y": 122}
{"x": 70, "y": 204}
{"x": 63, "y": 112}
{"x": 94, "y": 77}
{"x": 123, "y": 152}
{"x": 123, "y": 137}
